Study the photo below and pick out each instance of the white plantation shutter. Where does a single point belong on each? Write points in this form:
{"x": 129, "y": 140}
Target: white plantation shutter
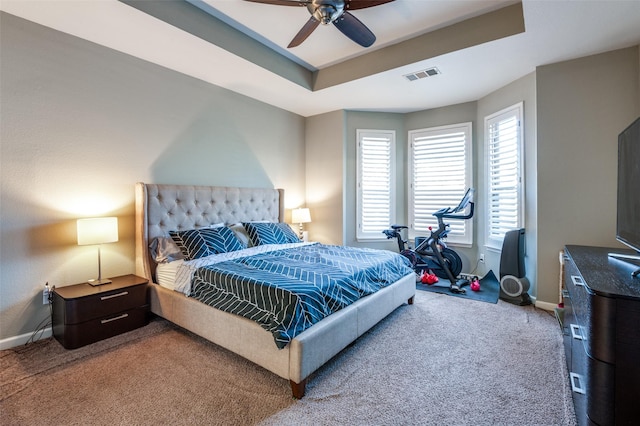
{"x": 376, "y": 182}
{"x": 440, "y": 171}
{"x": 504, "y": 177}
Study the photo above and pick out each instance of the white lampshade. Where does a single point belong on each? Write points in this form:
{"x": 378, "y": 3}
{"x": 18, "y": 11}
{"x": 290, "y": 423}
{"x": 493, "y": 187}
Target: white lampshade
{"x": 99, "y": 230}
{"x": 300, "y": 216}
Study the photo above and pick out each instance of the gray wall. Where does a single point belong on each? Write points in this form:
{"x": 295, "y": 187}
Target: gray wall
{"x": 521, "y": 90}
{"x": 583, "y": 105}
{"x": 372, "y": 121}
{"x": 81, "y": 124}
{"x": 325, "y": 171}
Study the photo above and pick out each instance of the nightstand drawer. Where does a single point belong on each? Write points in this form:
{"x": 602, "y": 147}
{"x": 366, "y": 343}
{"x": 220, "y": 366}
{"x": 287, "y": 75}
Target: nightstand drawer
{"x": 83, "y": 314}
{"x": 98, "y": 305}
{"x": 73, "y": 336}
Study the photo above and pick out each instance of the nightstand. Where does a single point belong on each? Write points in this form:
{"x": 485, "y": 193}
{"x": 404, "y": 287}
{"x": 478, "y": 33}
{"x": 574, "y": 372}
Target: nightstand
{"x": 84, "y": 314}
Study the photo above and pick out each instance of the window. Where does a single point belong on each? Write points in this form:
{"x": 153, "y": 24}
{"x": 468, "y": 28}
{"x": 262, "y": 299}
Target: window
{"x": 376, "y": 182}
{"x": 440, "y": 171}
{"x": 504, "y": 173}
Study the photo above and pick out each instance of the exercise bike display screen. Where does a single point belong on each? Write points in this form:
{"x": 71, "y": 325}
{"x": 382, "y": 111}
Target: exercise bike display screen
{"x": 468, "y": 197}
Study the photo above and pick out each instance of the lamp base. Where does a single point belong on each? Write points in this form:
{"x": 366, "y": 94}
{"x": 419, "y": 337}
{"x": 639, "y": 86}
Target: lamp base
{"x": 99, "y": 282}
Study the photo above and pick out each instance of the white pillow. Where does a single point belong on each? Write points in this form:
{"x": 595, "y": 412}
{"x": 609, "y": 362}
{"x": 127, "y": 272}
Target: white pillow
{"x": 241, "y": 234}
{"x": 164, "y": 250}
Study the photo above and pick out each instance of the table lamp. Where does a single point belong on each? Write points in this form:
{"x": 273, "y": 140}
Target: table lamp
{"x": 98, "y": 231}
{"x": 300, "y": 216}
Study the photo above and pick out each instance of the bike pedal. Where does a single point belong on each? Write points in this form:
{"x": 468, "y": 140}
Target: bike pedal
{"x": 457, "y": 289}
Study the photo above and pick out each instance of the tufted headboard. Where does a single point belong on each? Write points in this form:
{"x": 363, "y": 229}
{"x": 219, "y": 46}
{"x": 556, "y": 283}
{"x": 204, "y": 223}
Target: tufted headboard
{"x": 164, "y": 208}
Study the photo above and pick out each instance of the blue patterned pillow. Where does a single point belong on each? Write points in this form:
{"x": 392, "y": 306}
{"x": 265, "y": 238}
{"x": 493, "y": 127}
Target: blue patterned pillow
{"x": 220, "y": 240}
{"x": 270, "y": 233}
{"x": 191, "y": 244}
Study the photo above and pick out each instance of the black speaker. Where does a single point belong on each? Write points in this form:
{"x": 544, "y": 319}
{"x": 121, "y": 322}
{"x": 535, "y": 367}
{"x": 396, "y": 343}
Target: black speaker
{"x": 512, "y": 256}
{"x": 513, "y": 283}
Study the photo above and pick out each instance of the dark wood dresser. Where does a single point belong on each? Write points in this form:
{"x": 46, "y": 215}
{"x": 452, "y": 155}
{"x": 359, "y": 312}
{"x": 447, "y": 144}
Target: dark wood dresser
{"x": 601, "y": 330}
{"x": 84, "y": 314}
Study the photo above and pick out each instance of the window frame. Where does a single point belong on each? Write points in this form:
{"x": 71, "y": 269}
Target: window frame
{"x": 466, "y": 237}
{"x": 493, "y": 239}
{"x": 390, "y": 135}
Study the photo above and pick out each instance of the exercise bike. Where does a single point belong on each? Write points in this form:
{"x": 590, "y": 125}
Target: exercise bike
{"x": 431, "y": 253}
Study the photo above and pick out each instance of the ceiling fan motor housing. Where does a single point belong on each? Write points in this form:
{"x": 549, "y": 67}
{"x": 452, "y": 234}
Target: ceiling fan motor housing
{"x": 326, "y": 11}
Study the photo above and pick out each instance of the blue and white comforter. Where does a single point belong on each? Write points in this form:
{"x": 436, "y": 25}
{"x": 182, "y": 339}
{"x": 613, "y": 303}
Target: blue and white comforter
{"x": 286, "y": 290}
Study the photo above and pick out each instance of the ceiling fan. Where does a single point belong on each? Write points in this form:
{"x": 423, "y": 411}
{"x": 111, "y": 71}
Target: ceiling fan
{"x": 332, "y": 11}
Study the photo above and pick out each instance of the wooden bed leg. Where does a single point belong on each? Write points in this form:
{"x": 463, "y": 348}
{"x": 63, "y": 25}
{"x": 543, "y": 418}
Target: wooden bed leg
{"x": 298, "y": 388}
{"x": 410, "y": 301}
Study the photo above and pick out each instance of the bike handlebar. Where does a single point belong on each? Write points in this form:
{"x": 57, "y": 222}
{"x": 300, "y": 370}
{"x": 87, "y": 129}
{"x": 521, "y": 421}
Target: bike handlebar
{"x": 447, "y": 213}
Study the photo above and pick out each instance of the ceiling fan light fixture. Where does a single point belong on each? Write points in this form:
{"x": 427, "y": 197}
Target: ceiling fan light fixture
{"x": 326, "y": 13}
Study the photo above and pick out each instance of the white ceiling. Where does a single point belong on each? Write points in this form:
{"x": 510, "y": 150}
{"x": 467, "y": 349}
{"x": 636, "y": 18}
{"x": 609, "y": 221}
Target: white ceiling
{"x": 555, "y": 31}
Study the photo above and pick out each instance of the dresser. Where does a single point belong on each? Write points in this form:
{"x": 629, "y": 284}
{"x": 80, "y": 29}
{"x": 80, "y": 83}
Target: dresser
{"x": 601, "y": 331}
{"x": 84, "y": 314}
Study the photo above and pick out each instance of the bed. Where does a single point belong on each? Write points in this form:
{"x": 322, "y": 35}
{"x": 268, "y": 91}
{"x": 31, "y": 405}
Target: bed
{"x": 163, "y": 208}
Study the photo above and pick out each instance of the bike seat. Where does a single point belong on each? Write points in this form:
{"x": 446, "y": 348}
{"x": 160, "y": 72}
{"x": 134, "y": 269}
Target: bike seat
{"x": 396, "y": 227}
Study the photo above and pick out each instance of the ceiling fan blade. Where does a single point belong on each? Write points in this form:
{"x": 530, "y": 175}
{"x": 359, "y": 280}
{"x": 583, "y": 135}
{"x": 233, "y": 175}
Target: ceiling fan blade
{"x": 305, "y": 32}
{"x": 363, "y": 4}
{"x": 282, "y": 2}
{"x": 355, "y": 30}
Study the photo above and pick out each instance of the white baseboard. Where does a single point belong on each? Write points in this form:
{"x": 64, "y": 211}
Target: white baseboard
{"x": 12, "y": 342}
{"x": 545, "y": 305}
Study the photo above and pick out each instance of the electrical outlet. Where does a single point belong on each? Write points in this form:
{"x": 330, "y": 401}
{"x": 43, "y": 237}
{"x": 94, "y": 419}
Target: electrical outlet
{"x": 481, "y": 257}
{"x": 45, "y": 294}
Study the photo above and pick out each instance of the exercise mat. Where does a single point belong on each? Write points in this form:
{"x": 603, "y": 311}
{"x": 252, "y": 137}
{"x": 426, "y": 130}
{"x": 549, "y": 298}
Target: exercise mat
{"x": 489, "y": 289}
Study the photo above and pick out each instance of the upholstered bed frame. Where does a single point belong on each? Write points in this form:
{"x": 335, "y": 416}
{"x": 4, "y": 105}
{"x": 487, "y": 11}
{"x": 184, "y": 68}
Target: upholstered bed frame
{"x": 161, "y": 208}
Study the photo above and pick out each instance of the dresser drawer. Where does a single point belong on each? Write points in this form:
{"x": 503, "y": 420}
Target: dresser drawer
{"x": 575, "y": 286}
{"x": 73, "y": 336}
{"x": 627, "y": 330}
{"x": 627, "y": 384}
{"x": 594, "y": 316}
{"x": 578, "y": 378}
{"x": 566, "y": 328}
{"x": 601, "y": 398}
{"x": 98, "y": 305}
{"x": 591, "y": 384}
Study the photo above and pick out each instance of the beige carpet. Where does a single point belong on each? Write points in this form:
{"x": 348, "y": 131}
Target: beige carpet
{"x": 443, "y": 360}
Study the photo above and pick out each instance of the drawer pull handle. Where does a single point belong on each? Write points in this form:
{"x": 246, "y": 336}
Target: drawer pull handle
{"x": 576, "y": 380}
{"x": 575, "y": 332}
{"x": 124, "y": 293}
{"x": 577, "y": 280}
{"x": 119, "y": 317}
{"x": 565, "y": 294}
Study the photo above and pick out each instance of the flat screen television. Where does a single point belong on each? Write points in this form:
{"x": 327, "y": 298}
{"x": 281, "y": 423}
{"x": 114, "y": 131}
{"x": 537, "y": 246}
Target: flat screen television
{"x": 628, "y": 203}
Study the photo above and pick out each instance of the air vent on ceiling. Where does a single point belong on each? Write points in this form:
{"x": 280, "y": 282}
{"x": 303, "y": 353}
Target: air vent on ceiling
{"x": 429, "y": 72}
